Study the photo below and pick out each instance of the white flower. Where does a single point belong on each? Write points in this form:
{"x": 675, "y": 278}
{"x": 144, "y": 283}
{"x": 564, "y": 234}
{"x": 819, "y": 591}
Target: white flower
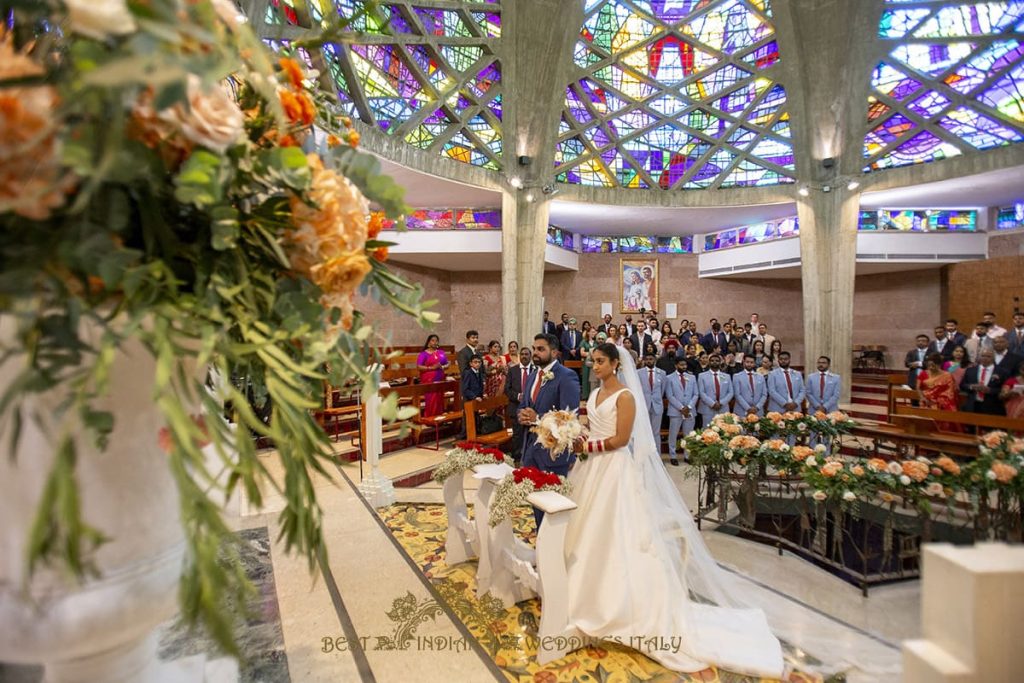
{"x": 212, "y": 119}
{"x": 991, "y": 475}
{"x": 717, "y": 428}
{"x": 100, "y": 18}
{"x": 894, "y": 469}
{"x": 905, "y": 480}
{"x": 820, "y": 448}
{"x": 785, "y": 448}
{"x": 811, "y": 462}
{"x": 802, "y": 427}
{"x": 819, "y": 495}
{"x": 849, "y": 495}
{"x": 727, "y": 454}
{"x": 692, "y": 434}
{"x": 935, "y": 489}
{"x": 546, "y": 377}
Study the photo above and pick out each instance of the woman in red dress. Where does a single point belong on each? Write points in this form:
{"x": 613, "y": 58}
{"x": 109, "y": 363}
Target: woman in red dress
{"x": 513, "y": 353}
{"x": 1013, "y": 394}
{"x": 938, "y": 390}
{"x": 431, "y": 363}
{"x": 496, "y": 369}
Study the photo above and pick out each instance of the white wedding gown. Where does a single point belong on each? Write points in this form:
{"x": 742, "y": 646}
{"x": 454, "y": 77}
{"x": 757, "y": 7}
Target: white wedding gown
{"x": 624, "y": 586}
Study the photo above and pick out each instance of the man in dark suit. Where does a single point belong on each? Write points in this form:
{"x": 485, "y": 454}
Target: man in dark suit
{"x": 551, "y": 386}
{"x": 603, "y": 327}
{"x": 1016, "y": 334}
{"x": 955, "y": 336}
{"x": 1006, "y": 361}
{"x": 571, "y": 340}
{"x": 548, "y": 327}
{"x": 630, "y": 327}
{"x": 562, "y": 327}
{"x": 715, "y": 340}
{"x": 518, "y": 374}
{"x": 467, "y": 351}
{"x": 641, "y": 338}
{"x": 914, "y": 361}
{"x": 940, "y": 344}
{"x": 981, "y": 384}
{"x": 473, "y": 380}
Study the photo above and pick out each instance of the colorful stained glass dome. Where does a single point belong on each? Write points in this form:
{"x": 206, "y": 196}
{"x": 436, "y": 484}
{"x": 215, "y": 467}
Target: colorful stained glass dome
{"x": 952, "y": 81}
{"x": 675, "y": 94}
{"x": 442, "y": 95}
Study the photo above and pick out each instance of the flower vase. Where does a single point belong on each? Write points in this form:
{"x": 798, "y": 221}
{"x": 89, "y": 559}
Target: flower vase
{"x": 102, "y": 628}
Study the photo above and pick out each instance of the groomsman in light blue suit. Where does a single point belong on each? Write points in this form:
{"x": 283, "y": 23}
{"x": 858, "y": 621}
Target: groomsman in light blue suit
{"x": 714, "y": 389}
{"x": 785, "y": 387}
{"x": 750, "y": 388}
{"x": 681, "y": 392}
{"x": 823, "y": 388}
{"x": 652, "y": 379}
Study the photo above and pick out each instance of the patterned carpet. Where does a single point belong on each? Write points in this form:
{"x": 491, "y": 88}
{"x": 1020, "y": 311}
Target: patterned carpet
{"x": 509, "y": 635}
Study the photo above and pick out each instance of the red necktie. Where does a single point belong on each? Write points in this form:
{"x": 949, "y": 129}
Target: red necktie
{"x": 750, "y": 376}
{"x": 650, "y": 379}
{"x": 526, "y": 373}
{"x": 789, "y": 384}
{"x": 718, "y": 387}
{"x": 536, "y": 386}
{"x": 682, "y": 380}
{"x": 821, "y": 386}
{"x": 982, "y": 382}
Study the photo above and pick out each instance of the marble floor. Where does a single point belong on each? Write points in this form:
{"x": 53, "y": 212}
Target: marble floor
{"x": 383, "y": 610}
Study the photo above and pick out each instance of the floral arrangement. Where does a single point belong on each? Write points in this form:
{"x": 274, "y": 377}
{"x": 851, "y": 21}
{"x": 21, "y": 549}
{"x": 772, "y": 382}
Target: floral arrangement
{"x": 165, "y": 179}
{"x": 558, "y": 430}
{"x": 467, "y": 455}
{"x": 513, "y": 490}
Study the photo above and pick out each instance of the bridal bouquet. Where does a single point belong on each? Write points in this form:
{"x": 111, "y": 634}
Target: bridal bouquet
{"x": 467, "y": 455}
{"x": 513, "y": 490}
{"x": 558, "y": 430}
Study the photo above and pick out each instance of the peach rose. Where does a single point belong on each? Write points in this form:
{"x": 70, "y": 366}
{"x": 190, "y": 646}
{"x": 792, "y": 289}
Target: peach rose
{"x": 918, "y": 471}
{"x": 774, "y": 416}
{"x": 212, "y": 119}
{"x": 1004, "y": 473}
{"x": 710, "y": 437}
{"x": 802, "y": 452}
{"x": 857, "y": 470}
{"x": 876, "y": 465}
{"x": 831, "y": 469}
{"x": 993, "y": 439}
{"x": 948, "y": 464}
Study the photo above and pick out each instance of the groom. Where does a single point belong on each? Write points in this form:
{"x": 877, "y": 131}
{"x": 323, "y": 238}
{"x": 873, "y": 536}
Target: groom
{"x": 551, "y": 386}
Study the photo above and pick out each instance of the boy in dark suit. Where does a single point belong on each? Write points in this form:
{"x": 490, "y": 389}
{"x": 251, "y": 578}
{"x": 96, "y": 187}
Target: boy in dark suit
{"x": 473, "y": 380}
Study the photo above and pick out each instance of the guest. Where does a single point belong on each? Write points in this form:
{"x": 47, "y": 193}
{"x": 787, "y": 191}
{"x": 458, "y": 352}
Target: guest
{"x": 994, "y": 328}
{"x": 585, "y": 327}
{"x": 822, "y": 388}
{"x": 1006, "y": 361}
{"x": 517, "y": 376}
{"x": 727, "y": 330}
{"x": 1012, "y": 394}
{"x": 548, "y": 327}
{"x": 715, "y": 390}
{"x": 640, "y": 337}
{"x": 938, "y": 390}
{"x": 513, "y": 353}
{"x": 563, "y": 326}
{"x": 431, "y": 363}
{"x": 980, "y": 386}
{"x": 747, "y": 339}
{"x": 954, "y": 335}
{"x": 669, "y": 357}
{"x": 590, "y": 342}
{"x": 570, "y": 341}
{"x": 652, "y": 381}
{"x": 735, "y": 350}
{"x": 689, "y": 334}
{"x": 651, "y": 348}
{"x": 473, "y": 381}
{"x": 467, "y": 351}
{"x": 785, "y": 387}
{"x": 775, "y": 348}
{"x": 700, "y": 363}
{"x": 757, "y": 351}
{"x": 666, "y": 330}
{"x": 716, "y": 340}
{"x": 751, "y": 390}
{"x": 627, "y": 328}
{"x": 755, "y": 319}
{"x": 627, "y": 345}
{"x": 607, "y": 324}
{"x": 1016, "y": 335}
{"x": 766, "y": 366}
{"x": 914, "y": 361}
{"x": 762, "y": 334}
{"x": 681, "y": 392}
{"x": 730, "y": 364}
{"x": 958, "y": 364}
{"x": 613, "y": 336}
{"x": 654, "y": 330}
{"x": 496, "y": 370}
{"x": 978, "y": 340}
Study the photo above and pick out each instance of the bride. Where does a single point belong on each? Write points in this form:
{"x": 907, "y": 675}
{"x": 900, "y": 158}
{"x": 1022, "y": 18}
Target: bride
{"x": 634, "y": 554}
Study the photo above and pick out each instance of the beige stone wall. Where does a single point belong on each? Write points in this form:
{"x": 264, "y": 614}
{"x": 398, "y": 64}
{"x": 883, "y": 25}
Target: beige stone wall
{"x": 399, "y": 328}
{"x": 890, "y": 309}
{"x": 973, "y": 287}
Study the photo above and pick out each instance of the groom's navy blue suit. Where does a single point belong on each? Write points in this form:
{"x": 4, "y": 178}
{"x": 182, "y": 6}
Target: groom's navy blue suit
{"x": 560, "y": 393}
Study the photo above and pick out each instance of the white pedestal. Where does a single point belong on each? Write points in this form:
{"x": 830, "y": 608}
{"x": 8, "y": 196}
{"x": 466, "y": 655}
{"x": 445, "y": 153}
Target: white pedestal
{"x": 972, "y": 601}
{"x": 376, "y": 488}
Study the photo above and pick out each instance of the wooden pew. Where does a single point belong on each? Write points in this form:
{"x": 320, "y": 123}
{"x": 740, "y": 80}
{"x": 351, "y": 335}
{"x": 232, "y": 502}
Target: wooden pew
{"x": 981, "y": 422}
{"x": 496, "y": 404}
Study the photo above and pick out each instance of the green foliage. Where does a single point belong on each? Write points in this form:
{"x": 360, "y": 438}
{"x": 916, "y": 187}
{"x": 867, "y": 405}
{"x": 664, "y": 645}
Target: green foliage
{"x": 184, "y": 249}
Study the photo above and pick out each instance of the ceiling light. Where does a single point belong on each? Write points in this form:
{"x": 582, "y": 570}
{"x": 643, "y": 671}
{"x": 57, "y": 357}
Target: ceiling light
{"x": 803, "y": 192}
{"x": 853, "y": 185}
{"x": 529, "y": 196}
{"x": 515, "y": 182}
{"x": 826, "y": 188}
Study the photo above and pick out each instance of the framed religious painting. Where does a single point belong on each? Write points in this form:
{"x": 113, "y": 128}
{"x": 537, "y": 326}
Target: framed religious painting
{"x": 638, "y": 284}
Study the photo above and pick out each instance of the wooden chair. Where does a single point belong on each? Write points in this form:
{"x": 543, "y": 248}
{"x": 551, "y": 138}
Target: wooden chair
{"x": 448, "y": 417}
{"x": 495, "y": 404}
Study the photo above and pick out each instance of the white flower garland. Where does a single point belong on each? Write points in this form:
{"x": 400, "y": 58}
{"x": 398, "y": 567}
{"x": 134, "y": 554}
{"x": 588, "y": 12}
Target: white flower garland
{"x": 458, "y": 460}
{"x": 509, "y": 495}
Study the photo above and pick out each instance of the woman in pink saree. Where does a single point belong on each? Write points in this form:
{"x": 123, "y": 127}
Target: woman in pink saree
{"x": 431, "y": 363}
{"x": 1012, "y": 394}
{"x": 938, "y": 389}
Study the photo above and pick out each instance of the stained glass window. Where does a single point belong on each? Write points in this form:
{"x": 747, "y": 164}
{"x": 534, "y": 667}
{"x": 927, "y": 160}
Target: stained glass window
{"x": 449, "y": 219}
{"x": 560, "y": 237}
{"x": 637, "y": 244}
{"x": 675, "y": 94}
{"x": 443, "y": 96}
{"x": 952, "y": 81}
{"x": 906, "y": 220}
{"x": 1011, "y": 217}
{"x": 752, "y": 234}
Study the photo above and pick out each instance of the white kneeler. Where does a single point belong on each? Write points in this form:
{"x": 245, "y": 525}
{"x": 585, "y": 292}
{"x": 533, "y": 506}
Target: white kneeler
{"x": 462, "y": 542}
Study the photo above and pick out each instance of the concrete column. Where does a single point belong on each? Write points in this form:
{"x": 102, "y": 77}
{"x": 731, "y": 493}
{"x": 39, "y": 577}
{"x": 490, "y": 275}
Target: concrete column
{"x": 540, "y": 36}
{"x": 828, "y": 49}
